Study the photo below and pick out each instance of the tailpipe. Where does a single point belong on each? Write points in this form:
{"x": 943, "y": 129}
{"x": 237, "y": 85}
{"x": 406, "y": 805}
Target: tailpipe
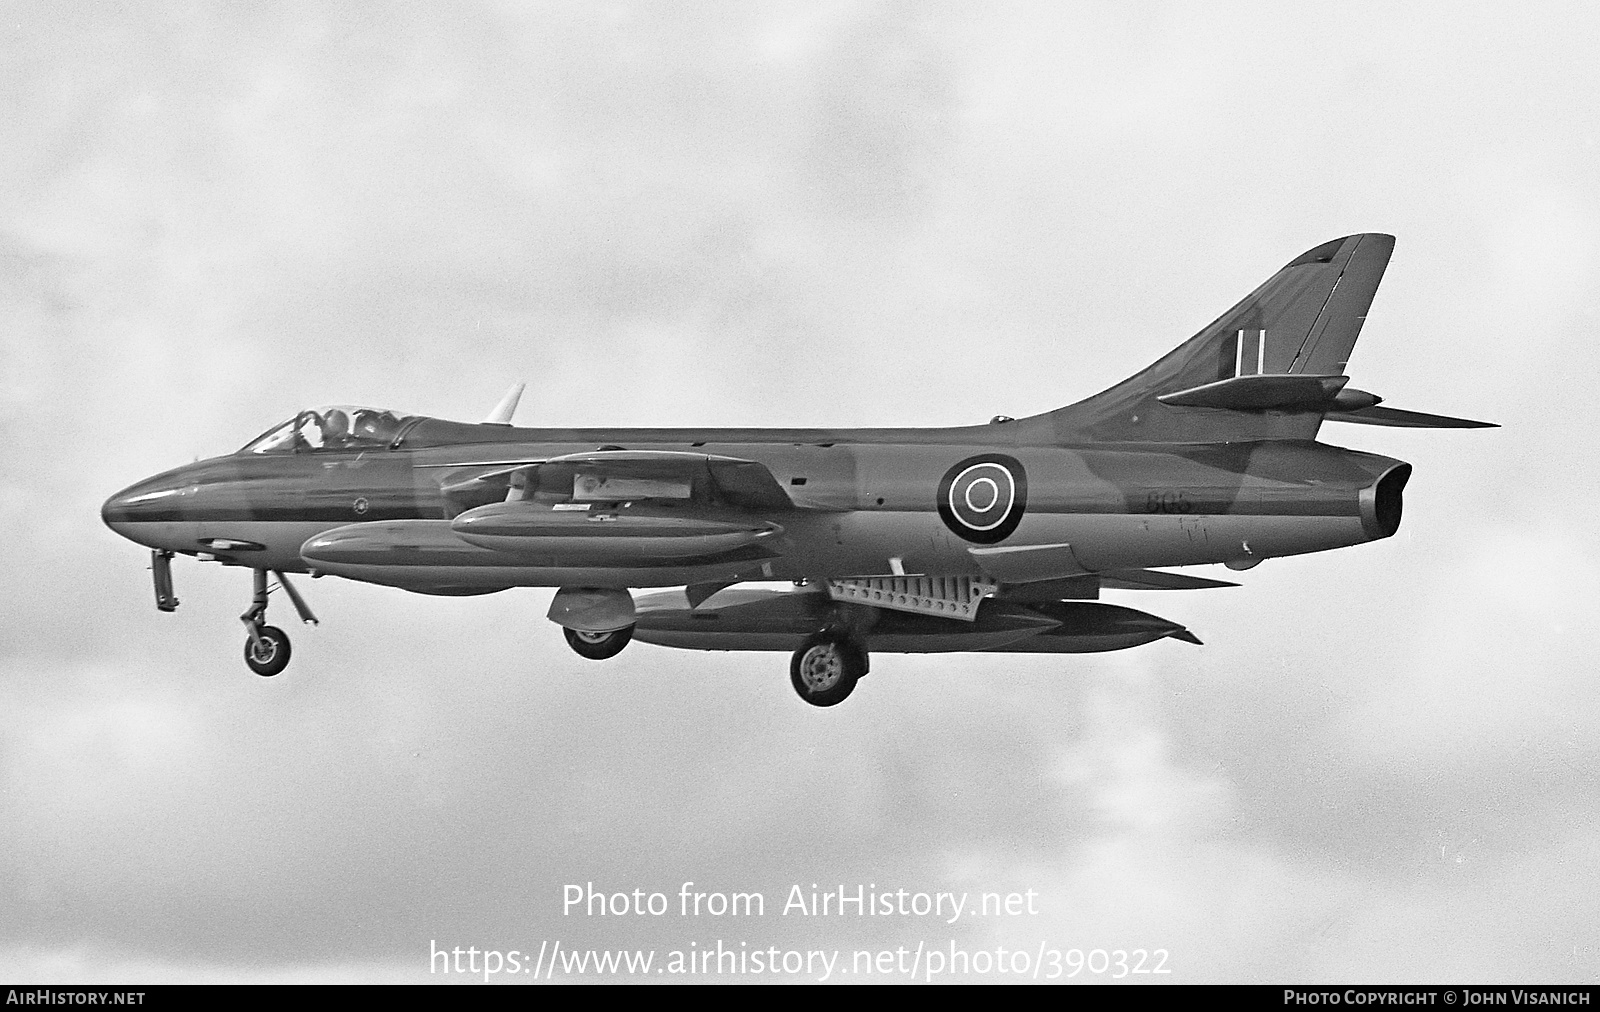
{"x": 1381, "y": 502}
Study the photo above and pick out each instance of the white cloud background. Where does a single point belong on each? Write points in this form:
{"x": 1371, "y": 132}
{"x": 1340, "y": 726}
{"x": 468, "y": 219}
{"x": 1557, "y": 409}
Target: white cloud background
{"x": 1383, "y": 765}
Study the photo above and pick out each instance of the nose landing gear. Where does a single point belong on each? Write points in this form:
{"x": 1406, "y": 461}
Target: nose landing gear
{"x": 266, "y": 649}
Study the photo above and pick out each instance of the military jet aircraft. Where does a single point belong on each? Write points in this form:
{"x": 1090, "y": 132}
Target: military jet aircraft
{"x": 996, "y": 537}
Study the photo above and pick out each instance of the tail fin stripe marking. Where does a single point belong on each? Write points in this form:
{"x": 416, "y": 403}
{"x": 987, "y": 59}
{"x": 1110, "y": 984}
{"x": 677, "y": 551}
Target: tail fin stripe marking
{"x": 1240, "y": 357}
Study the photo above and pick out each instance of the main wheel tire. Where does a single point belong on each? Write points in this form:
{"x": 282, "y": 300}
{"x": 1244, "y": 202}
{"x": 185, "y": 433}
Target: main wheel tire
{"x": 273, "y": 654}
{"x": 598, "y": 646}
{"x": 825, "y": 669}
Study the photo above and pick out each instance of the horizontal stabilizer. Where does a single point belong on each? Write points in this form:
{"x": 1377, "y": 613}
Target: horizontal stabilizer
{"x": 1155, "y": 579}
{"x": 1406, "y": 419}
{"x": 1280, "y": 392}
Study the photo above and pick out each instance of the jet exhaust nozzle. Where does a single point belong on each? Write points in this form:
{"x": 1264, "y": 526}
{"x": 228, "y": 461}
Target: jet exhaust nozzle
{"x": 1381, "y": 503}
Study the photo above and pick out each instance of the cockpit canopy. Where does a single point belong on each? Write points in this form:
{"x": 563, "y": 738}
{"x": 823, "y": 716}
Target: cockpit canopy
{"x": 339, "y": 427}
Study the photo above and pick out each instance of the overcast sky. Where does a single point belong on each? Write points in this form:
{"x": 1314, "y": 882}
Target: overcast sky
{"x": 1383, "y": 765}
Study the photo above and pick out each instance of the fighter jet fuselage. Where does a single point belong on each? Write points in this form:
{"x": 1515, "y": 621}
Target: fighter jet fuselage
{"x": 984, "y": 537}
{"x": 845, "y": 503}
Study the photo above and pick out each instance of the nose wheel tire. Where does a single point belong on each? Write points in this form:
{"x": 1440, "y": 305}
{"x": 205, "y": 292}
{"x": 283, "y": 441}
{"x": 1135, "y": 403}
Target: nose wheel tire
{"x": 825, "y": 669}
{"x": 598, "y": 646}
{"x": 270, "y": 654}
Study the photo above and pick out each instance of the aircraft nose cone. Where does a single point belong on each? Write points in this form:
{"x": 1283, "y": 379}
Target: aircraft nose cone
{"x": 121, "y": 513}
{"x": 153, "y": 500}
{"x": 117, "y": 512}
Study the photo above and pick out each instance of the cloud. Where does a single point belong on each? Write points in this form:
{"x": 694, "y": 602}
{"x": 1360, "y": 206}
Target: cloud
{"x": 1177, "y": 862}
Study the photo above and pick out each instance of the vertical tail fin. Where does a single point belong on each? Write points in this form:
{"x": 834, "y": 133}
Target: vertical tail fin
{"x": 1302, "y": 322}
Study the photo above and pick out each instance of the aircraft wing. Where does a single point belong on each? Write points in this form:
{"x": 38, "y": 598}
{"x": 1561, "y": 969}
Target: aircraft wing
{"x": 602, "y": 476}
{"x": 702, "y": 479}
{"x": 621, "y": 508}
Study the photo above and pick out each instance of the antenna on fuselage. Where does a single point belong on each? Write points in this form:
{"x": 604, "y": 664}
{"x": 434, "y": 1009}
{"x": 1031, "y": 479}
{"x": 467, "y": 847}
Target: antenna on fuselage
{"x": 501, "y": 415}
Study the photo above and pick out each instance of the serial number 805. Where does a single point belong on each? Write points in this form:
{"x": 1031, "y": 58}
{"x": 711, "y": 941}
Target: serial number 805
{"x": 1167, "y": 502}
{"x": 1117, "y": 962}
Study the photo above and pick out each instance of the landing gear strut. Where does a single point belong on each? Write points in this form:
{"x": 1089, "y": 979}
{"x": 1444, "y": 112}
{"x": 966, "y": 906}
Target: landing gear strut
{"x": 266, "y": 649}
{"x": 826, "y": 668}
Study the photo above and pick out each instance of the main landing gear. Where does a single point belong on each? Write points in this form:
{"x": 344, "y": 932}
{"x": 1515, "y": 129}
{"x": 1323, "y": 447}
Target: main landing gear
{"x": 597, "y": 621}
{"x": 266, "y": 649}
{"x": 598, "y": 646}
{"x": 827, "y": 666}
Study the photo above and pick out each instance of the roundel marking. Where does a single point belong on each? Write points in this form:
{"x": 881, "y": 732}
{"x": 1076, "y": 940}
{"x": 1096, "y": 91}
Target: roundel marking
{"x": 360, "y": 505}
{"x": 982, "y": 499}
{"x": 993, "y": 491}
